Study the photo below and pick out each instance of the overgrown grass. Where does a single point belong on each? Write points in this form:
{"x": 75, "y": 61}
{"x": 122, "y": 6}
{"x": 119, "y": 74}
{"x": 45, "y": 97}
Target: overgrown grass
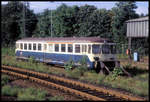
{"x": 31, "y": 94}
{"x": 76, "y": 73}
{"x": 11, "y": 61}
{"x": 4, "y": 79}
{"x": 10, "y": 91}
{"x": 9, "y": 51}
{"x": 122, "y": 56}
{"x": 24, "y": 94}
{"x": 56, "y": 98}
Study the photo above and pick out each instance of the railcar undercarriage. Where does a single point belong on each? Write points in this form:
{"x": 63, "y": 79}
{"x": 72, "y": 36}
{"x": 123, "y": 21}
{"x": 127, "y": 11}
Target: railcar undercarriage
{"x": 105, "y": 66}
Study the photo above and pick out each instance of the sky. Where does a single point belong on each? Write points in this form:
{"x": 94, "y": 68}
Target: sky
{"x": 39, "y": 6}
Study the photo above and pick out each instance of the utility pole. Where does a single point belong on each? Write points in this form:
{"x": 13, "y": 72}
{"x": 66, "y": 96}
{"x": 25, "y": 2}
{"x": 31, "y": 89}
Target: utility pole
{"x": 51, "y": 22}
{"x": 24, "y": 19}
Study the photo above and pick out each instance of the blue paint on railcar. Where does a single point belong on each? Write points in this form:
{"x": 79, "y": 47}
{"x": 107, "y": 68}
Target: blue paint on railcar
{"x": 56, "y": 58}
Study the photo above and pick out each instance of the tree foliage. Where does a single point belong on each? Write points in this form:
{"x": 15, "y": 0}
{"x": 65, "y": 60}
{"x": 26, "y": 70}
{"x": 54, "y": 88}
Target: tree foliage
{"x": 122, "y": 12}
{"x": 12, "y": 22}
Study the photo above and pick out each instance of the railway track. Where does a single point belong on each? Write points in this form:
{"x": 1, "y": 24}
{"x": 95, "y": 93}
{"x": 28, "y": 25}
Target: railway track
{"x": 87, "y": 92}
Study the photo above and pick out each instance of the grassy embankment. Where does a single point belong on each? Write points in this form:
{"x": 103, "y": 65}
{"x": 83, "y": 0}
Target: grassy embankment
{"x": 138, "y": 84}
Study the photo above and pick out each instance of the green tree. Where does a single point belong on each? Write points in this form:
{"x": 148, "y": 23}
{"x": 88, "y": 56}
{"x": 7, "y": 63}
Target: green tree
{"x": 12, "y": 22}
{"x": 44, "y": 24}
{"x": 83, "y": 21}
{"x": 99, "y": 24}
{"x": 64, "y": 21}
{"x": 122, "y": 12}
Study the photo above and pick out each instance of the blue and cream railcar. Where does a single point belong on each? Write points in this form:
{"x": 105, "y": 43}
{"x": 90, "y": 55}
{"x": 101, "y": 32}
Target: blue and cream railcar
{"x": 61, "y": 50}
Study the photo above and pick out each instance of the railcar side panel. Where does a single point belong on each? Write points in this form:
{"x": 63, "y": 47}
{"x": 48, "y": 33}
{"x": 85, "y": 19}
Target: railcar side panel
{"x": 54, "y": 58}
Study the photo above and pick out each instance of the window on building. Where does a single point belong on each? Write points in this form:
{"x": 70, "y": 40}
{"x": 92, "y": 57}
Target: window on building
{"x": 34, "y": 46}
{"x": 77, "y": 48}
{"x": 25, "y": 46}
{"x": 56, "y": 47}
{"x": 30, "y": 46}
{"x": 50, "y": 47}
{"x": 63, "y": 48}
{"x": 84, "y": 47}
{"x": 89, "y": 49}
{"x": 70, "y": 47}
{"x": 39, "y": 47}
{"x": 21, "y": 46}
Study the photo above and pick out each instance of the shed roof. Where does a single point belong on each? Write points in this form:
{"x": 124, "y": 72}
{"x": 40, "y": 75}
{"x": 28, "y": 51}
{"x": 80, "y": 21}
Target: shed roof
{"x": 65, "y": 39}
{"x": 138, "y": 19}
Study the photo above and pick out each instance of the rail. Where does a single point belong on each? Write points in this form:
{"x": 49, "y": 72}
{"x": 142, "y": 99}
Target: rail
{"x": 96, "y": 91}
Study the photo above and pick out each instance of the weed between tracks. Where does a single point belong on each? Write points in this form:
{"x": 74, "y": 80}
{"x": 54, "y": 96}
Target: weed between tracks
{"x": 138, "y": 84}
{"x": 24, "y": 93}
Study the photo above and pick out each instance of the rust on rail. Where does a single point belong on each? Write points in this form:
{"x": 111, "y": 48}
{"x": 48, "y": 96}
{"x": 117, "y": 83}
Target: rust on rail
{"x": 92, "y": 87}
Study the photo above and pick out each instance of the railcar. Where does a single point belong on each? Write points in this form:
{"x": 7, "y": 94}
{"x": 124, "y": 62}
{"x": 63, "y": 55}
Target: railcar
{"x": 59, "y": 50}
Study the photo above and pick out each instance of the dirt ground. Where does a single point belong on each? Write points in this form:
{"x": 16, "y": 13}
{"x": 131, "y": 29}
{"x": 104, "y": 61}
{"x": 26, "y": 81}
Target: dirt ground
{"x": 143, "y": 63}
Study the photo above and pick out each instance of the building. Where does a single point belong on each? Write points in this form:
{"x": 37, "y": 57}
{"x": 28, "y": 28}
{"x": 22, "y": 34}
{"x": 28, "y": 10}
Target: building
{"x": 137, "y": 28}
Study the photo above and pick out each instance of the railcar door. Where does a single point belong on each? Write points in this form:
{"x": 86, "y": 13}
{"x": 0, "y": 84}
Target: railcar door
{"x": 44, "y": 51}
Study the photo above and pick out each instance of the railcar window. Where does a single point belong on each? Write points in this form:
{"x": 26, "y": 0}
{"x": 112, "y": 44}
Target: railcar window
{"x": 89, "y": 48}
{"x": 63, "y": 48}
{"x": 56, "y": 47}
{"x": 34, "y": 46}
{"x": 30, "y": 46}
{"x": 21, "y": 46}
{"x": 39, "y": 47}
{"x": 96, "y": 49}
{"x": 17, "y": 45}
{"x": 50, "y": 47}
{"x": 84, "y": 47}
{"x": 113, "y": 49}
{"x": 25, "y": 46}
{"x": 106, "y": 49}
{"x": 45, "y": 47}
{"x": 70, "y": 47}
{"x": 77, "y": 48}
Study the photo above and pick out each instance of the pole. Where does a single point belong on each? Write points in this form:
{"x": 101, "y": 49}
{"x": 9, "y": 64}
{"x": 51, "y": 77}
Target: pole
{"x": 51, "y": 22}
{"x": 24, "y": 19}
{"x": 129, "y": 47}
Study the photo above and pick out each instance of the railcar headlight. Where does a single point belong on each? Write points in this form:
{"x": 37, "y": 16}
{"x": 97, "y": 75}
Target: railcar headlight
{"x": 96, "y": 58}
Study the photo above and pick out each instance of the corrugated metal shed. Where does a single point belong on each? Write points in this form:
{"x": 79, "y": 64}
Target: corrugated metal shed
{"x": 138, "y": 27}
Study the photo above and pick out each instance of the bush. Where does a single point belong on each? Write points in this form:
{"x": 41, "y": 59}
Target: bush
{"x": 83, "y": 67}
{"x": 69, "y": 65}
{"x": 10, "y": 91}
{"x": 4, "y": 80}
{"x": 116, "y": 72}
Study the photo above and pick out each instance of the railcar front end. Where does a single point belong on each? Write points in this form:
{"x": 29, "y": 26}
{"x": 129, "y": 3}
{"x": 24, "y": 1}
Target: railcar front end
{"x": 104, "y": 54}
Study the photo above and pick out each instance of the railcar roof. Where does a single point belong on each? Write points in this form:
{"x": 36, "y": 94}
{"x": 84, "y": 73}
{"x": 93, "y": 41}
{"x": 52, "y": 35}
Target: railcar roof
{"x": 65, "y": 39}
